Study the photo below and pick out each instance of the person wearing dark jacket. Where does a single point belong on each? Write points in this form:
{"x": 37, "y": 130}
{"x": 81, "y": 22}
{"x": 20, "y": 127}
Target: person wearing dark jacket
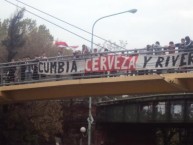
{"x": 181, "y": 46}
{"x": 11, "y": 72}
{"x": 188, "y": 44}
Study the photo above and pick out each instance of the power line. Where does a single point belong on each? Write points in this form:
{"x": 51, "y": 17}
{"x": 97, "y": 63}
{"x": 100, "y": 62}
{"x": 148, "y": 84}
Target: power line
{"x": 59, "y": 19}
{"x": 67, "y": 23}
{"x": 52, "y": 23}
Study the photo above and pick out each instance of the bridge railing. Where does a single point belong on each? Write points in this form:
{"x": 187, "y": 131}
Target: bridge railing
{"x": 106, "y": 64}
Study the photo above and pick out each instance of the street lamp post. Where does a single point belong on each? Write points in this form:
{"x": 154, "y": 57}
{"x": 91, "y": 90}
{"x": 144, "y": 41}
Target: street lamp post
{"x": 83, "y": 131}
{"x": 92, "y": 34}
{"x": 90, "y": 118}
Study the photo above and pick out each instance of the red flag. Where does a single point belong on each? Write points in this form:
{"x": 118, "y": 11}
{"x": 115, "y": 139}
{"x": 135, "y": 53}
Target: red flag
{"x": 64, "y": 44}
{"x": 61, "y": 44}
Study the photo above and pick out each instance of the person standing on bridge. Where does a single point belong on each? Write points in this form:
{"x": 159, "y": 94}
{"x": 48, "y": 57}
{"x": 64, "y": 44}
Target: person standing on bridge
{"x": 157, "y": 48}
{"x": 29, "y": 70}
{"x": 188, "y": 44}
{"x": 158, "y": 51}
{"x": 11, "y": 72}
{"x": 171, "y": 47}
{"x": 35, "y": 68}
{"x": 43, "y": 57}
{"x": 181, "y": 46}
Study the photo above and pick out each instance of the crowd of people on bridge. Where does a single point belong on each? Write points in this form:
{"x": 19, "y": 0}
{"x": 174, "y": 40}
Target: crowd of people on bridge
{"x": 185, "y": 45}
{"x": 26, "y": 69}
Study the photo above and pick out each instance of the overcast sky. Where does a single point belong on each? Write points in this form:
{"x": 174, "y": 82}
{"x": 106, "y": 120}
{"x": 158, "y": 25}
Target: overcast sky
{"x": 155, "y": 20}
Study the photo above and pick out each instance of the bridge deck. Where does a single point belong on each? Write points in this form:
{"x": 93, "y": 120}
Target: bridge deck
{"x": 144, "y": 84}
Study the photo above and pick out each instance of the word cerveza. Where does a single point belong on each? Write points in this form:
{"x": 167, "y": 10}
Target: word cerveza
{"x": 111, "y": 63}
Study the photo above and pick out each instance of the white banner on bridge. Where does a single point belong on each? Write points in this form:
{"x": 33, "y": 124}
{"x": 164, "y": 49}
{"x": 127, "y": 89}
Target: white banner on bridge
{"x": 116, "y": 63}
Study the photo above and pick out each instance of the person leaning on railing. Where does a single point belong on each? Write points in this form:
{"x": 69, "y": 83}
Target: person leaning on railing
{"x": 18, "y": 71}
{"x": 95, "y": 52}
{"x": 171, "y": 48}
{"x": 158, "y": 51}
{"x": 35, "y": 75}
{"x": 29, "y": 70}
{"x": 188, "y": 47}
{"x": 181, "y": 45}
{"x": 43, "y": 57}
{"x": 157, "y": 48}
{"x": 149, "y": 49}
{"x": 11, "y": 72}
{"x": 23, "y": 68}
{"x": 188, "y": 44}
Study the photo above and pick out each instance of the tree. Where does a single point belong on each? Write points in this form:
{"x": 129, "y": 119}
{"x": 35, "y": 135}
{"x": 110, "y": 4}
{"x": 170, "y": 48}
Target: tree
{"x": 30, "y": 123}
{"x": 38, "y": 40}
{"x": 3, "y": 28}
{"x": 46, "y": 117}
{"x": 25, "y": 39}
{"x": 24, "y": 123}
{"x": 3, "y": 33}
{"x": 15, "y": 37}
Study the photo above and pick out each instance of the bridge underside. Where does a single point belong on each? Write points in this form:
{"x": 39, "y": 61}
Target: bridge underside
{"x": 144, "y": 84}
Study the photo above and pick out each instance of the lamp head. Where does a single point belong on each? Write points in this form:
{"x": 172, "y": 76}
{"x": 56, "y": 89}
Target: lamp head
{"x": 132, "y": 11}
{"x": 82, "y": 129}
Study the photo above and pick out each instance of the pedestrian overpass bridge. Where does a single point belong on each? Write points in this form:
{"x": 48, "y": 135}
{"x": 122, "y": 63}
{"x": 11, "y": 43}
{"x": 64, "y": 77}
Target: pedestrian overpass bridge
{"x": 120, "y": 73}
{"x": 119, "y": 85}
